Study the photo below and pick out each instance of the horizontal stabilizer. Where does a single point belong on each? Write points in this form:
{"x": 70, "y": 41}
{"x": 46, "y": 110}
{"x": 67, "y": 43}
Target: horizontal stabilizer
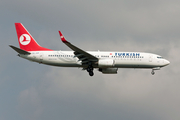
{"x": 20, "y": 51}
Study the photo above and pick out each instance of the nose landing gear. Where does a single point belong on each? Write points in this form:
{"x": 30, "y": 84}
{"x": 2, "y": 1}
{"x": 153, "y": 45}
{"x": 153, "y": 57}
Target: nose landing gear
{"x": 157, "y": 68}
{"x": 152, "y": 72}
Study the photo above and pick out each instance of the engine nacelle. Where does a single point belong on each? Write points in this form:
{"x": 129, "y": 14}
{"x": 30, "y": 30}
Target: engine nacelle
{"x": 108, "y": 70}
{"x": 106, "y": 63}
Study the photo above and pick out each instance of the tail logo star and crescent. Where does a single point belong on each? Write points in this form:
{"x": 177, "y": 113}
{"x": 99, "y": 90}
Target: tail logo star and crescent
{"x": 25, "y": 39}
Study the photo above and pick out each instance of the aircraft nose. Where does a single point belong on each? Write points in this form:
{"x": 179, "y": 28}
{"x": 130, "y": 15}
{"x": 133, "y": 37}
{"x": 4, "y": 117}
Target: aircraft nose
{"x": 166, "y": 62}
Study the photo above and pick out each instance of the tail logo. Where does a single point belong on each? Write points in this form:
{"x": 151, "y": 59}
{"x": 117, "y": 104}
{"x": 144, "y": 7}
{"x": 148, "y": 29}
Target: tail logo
{"x": 25, "y": 39}
{"x": 62, "y": 37}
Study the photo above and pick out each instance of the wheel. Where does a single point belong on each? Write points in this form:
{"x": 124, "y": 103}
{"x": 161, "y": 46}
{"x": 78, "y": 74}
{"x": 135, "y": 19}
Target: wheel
{"x": 152, "y": 72}
{"x": 88, "y": 69}
{"x": 91, "y": 73}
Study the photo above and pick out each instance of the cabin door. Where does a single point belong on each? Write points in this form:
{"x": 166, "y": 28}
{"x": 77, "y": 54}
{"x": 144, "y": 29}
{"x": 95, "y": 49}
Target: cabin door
{"x": 41, "y": 57}
{"x": 150, "y": 58}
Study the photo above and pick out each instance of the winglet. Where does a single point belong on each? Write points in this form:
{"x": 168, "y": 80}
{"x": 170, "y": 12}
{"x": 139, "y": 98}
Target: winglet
{"x": 62, "y": 37}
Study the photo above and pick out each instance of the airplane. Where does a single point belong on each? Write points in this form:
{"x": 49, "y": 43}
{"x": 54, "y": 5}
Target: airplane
{"x": 106, "y": 62}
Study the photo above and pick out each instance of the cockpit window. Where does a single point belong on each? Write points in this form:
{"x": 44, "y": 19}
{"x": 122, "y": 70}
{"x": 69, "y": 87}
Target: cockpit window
{"x": 159, "y": 57}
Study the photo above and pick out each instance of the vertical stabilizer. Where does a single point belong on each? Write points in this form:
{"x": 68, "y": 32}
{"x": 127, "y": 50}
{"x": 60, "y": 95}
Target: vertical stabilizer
{"x": 26, "y": 41}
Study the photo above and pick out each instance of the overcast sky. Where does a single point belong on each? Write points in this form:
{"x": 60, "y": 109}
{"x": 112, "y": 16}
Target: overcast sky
{"x": 32, "y": 91}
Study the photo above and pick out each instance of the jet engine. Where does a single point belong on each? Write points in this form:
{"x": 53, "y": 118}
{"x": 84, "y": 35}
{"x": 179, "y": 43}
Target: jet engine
{"x": 108, "y": 70}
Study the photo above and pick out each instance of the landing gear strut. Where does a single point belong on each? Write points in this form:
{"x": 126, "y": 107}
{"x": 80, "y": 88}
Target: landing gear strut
{"x": 90, "y": 70}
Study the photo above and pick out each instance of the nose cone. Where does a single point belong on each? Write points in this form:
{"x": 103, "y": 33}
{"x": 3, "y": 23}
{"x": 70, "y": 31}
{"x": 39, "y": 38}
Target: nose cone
{"x": 166, "y": 62}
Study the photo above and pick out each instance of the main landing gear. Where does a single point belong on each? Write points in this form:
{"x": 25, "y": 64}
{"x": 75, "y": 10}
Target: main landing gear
{"x": 90, "y": 70}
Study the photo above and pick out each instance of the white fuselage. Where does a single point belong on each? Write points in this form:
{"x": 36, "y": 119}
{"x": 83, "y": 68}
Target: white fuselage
{"x": 120, "y": 59}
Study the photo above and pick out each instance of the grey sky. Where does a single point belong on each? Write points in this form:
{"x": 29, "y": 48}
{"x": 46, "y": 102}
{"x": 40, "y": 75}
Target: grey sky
{"x": 33, "y": 91}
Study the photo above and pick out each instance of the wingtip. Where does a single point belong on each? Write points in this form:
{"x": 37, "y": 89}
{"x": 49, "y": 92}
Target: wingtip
{"x": 62, "y": 37}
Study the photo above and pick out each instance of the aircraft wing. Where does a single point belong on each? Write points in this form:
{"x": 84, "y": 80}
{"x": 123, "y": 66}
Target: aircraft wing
{"x": 83, "y": 56}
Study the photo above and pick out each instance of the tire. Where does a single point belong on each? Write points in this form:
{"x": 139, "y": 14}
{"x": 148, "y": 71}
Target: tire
{"x": 91, "y": 73}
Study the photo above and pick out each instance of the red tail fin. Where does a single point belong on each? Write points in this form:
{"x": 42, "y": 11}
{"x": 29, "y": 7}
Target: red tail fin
{"x": 26, "y": 41}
